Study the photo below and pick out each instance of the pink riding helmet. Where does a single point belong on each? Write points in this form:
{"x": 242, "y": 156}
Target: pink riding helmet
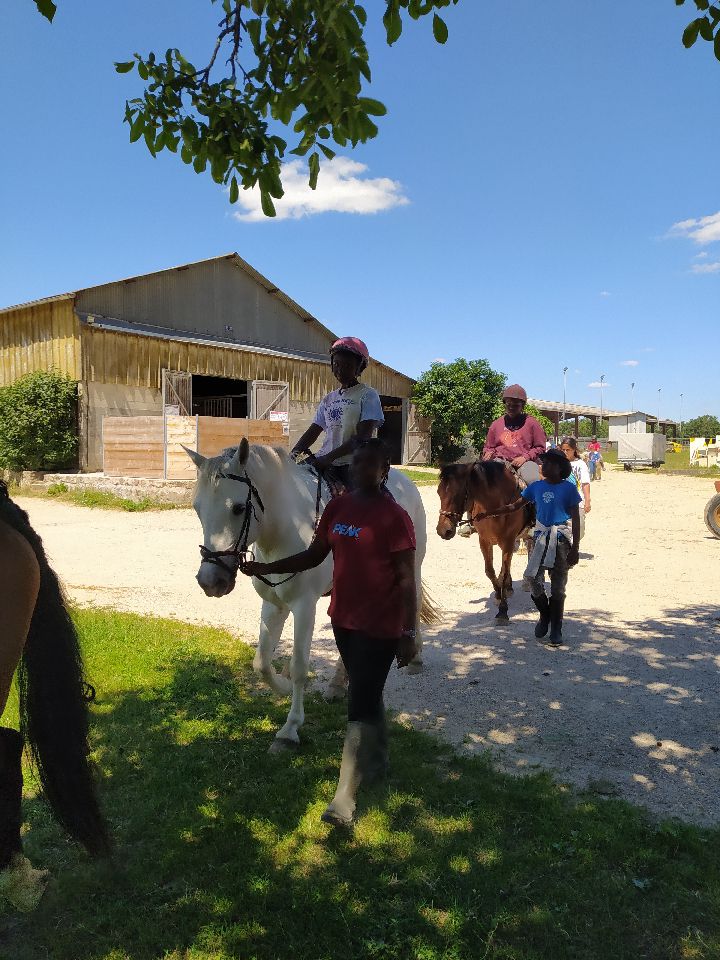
{"x": 352, "y": 345}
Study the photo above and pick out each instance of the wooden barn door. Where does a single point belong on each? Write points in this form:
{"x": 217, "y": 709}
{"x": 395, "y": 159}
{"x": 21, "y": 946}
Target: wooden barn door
{"x": 271, "y": 401}
{"x": 177, "y": 393}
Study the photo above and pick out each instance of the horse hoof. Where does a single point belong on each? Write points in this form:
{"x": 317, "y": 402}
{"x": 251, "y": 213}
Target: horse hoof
{"x": 414, "y": 668}
{"x": 332, "y": 694}
{"x": 283, "y": 745}
{"x": 502, "y": 616}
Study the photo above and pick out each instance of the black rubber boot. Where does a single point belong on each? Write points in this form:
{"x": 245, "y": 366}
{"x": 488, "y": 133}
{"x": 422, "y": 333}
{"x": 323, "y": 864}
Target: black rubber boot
{"x": 11, "y": 783}
{"x": 557, "y": 608}
{"x": 19, "y": 883}
{"x": 359, "y": 762}
{"x": 543, "y": 624}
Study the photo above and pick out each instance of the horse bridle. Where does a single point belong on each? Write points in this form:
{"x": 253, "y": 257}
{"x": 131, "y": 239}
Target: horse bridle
{"x": 459, "y": 518}
{"x": 239, "y": 551}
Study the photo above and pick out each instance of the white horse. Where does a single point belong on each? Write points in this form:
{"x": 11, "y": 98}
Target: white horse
{"x": 258, "y": 496}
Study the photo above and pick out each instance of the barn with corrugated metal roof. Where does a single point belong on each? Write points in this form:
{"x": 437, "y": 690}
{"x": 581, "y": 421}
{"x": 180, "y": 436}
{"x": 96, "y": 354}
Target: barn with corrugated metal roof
{"x": 212, "y": 339}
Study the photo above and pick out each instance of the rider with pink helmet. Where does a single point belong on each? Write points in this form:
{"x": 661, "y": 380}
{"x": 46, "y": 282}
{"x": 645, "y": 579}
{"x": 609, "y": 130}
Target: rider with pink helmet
{"x": 516, "y": 438}
{"x": 346, "y": 416}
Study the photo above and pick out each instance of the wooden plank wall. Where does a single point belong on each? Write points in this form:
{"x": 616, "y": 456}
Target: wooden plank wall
{"x": 217, "y": 433}
{"x": 180, "y": 430}
{"x": 42, "y": 336}
{"x": 113, "y": 357}
{"x": 133, "y": 447}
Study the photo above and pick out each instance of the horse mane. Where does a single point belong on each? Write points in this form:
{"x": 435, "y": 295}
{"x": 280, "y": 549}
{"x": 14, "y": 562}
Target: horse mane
{"x": 217, "y": 464}
{"x": 493, "y": 470}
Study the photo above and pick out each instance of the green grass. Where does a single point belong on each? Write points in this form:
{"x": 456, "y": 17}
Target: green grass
{"x": 221, "y": 853}
{"x": 100, "y": 499}
{"x": 421, "y": 478}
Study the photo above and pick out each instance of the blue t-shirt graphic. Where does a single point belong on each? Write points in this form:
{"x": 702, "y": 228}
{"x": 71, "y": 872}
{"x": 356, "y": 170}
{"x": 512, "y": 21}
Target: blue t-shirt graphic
{"x": 553, "y": 501}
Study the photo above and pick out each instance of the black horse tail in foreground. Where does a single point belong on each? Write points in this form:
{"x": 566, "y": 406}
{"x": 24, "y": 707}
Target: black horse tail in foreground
{"x": 54, "y": 702}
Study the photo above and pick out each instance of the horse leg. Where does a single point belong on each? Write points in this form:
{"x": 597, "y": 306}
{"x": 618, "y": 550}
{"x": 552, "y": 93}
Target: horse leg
{"x": 338, "y": 685}
{"x": 272, "y": 621}
{"x": 507, "y": 552}
{"x": 487, "y": 552}
{"x": 288, "y": 737}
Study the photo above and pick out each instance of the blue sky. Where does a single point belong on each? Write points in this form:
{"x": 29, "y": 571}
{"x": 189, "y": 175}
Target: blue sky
{"x": 531, "y": 173}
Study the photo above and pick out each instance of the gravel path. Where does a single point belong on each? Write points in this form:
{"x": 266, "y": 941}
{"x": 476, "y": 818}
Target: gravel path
{"x": 629, "y": 705}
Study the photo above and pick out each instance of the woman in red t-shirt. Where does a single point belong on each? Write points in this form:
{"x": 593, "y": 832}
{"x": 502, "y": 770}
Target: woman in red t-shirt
{"x": 373, "y": 610}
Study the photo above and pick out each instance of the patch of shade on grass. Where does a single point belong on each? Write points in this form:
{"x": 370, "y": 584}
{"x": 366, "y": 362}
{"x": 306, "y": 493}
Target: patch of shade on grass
{"x": 220, "y": 852}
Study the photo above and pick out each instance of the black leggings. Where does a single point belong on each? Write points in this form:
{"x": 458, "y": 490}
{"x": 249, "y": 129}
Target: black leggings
{"x": 367, "y": 661}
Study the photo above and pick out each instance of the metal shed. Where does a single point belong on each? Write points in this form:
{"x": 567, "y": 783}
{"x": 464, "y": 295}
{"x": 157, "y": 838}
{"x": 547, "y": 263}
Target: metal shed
{"x": 242, "y": 346}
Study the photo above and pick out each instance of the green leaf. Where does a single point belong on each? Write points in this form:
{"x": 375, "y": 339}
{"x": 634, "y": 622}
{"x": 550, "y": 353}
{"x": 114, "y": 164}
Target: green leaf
{"x": 234, "y": 190}
{"x": 186, "y": 154}
{"x": 373, "y": 107}
{"x": 137, "y": 127}
{"x": 690, "y": 34}
{"x": 124, "y": 67}
{"x": 440, "y": 30}
{"x": 268, "y": 207}
{"x": 702, "y": 4}
{"x": 142, "y": 70}
{"x": 327, "y": 151}
{"x": 706, "y": 29}
{"x": 393, "y": 23}
{"x": 717, "y": 45}
{"x": 47, "y": 8}
{"x": 314, "y": 166}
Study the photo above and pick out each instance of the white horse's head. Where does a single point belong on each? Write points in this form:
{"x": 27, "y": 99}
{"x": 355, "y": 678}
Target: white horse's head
{"x": 230, "y": 511}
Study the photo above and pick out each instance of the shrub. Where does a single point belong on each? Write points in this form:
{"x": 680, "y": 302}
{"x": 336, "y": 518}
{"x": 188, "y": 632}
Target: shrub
{"x": 38, "y": 422}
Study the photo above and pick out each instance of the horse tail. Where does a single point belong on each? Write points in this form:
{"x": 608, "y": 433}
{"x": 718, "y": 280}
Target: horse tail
{"x": 430, "y": 610}
{"x": 54, "y": 715}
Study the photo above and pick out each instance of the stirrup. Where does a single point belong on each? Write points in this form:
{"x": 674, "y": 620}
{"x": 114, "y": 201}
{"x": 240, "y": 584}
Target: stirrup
{"x": 22, "y": 885}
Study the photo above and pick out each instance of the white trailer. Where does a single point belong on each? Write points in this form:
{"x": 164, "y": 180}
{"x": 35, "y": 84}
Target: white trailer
{"x": 641, "y": 449}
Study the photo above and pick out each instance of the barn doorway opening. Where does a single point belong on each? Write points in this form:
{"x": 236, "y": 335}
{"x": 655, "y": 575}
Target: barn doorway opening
{"x": 392, "y": 430}
{"x": 219, "y": 397}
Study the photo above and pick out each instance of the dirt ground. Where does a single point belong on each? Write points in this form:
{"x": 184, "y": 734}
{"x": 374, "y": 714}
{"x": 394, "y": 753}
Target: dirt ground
{"x": 629, "y": 705}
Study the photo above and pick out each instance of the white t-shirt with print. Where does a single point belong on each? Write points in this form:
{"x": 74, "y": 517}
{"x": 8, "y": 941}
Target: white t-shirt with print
{"x": 581, "y": 475}
{"x": 341, "y": 411}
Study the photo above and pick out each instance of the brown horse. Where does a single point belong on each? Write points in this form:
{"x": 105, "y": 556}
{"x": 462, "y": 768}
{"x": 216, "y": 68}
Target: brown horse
{"x": 38, "y": 640}
{"x": 483, "y": 488}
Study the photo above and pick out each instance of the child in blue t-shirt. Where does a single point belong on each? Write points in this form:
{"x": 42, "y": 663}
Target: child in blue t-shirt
{"x": 557, "y": 538}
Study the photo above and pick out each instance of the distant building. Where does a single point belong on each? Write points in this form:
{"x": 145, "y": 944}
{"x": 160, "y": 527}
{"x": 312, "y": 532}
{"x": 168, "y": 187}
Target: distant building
{"x": 213, "y": 338}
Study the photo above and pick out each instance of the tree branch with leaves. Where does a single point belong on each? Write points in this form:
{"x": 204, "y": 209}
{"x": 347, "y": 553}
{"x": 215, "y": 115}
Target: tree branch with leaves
{"x": 291, "y": 67}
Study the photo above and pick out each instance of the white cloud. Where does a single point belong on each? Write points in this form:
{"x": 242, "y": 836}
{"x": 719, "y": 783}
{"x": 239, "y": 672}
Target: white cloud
{"x": 699, "y": 256}
{"x": 596, "y": 383}
{"x": 712, "y": 267}
{"x": 342, "y": 188}
{"x": 648, "y": 350}
{"x": 604, "y": 293}
{"x": 439, "y": 360}
{"x": 629, "y": 363}
{"x": 703, "y": 230}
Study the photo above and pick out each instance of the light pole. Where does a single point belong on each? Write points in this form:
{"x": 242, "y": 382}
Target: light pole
{"x": 681, "y": 400}
{"x": 565, "y": 370}
{"x": 602, "y": 381}
{"x": 659, "y": 397}
{"x": 632, "y": 397}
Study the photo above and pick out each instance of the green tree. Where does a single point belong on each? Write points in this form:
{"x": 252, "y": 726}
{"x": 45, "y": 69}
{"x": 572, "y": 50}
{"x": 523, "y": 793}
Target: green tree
{"x": 461, "y": 399}
{"x": 291, "y": 66}
{"x": 38, "y": 422}
{"x": 567, "y": 428}
{"x": 705, "y": 426}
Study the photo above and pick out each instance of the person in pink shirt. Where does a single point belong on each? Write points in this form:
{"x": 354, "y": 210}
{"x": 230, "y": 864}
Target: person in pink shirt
{"x": 516, "y": 438}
